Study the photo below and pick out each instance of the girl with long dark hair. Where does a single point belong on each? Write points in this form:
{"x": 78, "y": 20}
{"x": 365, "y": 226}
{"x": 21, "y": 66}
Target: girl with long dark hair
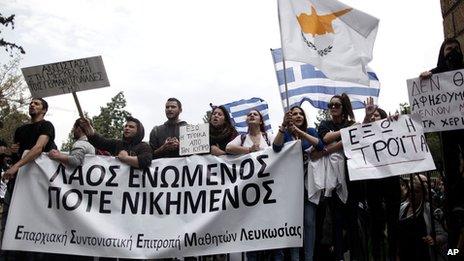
{"x": 221, "y": 130}
{"x": 295, "y": 127}
{"x": 255, "y": 139}
{"x": 343, "y": 204}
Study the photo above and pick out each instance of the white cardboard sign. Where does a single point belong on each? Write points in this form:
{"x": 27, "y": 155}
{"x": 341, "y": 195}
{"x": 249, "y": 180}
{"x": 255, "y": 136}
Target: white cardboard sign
{"x": 194, "y": 139}
{"x": 66, "y": 77}
{"x": 439, "y": 100}
{"x": 386, "y": 148}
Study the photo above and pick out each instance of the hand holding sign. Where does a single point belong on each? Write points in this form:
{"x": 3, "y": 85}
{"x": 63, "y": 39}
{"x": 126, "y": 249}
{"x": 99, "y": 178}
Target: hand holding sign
{"x": 86, "y": 126}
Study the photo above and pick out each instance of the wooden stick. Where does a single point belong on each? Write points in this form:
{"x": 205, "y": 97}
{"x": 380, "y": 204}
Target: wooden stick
{"x": 76, "y": 100}
{"x": 283, "y": 59}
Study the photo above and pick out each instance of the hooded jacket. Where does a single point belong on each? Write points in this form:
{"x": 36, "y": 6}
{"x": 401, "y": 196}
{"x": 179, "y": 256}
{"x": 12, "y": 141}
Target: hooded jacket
{"x": 442, "y": 66}
{"x": 133, "y": 146}
{"x": 159, "y": 134}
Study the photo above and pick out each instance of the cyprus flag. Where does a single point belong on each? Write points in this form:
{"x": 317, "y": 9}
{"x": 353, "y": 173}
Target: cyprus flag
{"x": 330, "y": 35}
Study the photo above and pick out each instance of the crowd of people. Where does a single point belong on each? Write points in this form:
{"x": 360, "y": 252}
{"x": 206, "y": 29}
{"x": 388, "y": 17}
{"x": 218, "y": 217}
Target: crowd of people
{"x": 381, "y": 219}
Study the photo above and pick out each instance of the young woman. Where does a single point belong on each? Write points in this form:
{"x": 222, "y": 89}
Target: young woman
{"x": 221, "y": 130}
{"x": 256, "y": 139}
{"x": 383, "y": 200}
{"x": 344, "y": 215}
{"x": 416, "y": 241}
{"x": 295, "y": 127}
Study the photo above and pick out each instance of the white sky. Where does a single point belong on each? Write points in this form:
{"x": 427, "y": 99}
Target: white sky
{"x": 200, "y": 51}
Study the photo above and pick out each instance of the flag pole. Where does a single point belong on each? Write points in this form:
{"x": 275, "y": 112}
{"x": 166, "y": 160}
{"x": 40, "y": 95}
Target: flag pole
{"x": 283, "y": 57}
{"x": 76, "y": 100}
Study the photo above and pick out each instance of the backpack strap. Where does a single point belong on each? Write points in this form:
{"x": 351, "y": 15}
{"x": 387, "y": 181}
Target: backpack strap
{"x": 266, "y": 138}
{"x": 242, "y": 138}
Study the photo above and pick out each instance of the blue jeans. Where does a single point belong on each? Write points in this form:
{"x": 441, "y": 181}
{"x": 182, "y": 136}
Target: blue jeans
{"x": 309, "y": 224}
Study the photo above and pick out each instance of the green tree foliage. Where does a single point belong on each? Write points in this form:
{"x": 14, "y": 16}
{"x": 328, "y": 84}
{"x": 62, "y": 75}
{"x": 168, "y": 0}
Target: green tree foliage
{"x": 207, "y": 116}
{"x": 110, "y": 122}
{"x": 322, "y": 115}
{"x": 9, "y": 46}
{"x": 12, "y": 99}
{"x": 405, "y": 108}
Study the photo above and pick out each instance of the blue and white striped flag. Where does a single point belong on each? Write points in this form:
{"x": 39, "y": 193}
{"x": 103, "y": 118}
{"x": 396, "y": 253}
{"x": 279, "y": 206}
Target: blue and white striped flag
{"x": 306, "y": 83}
{"x": 238, "y": 111}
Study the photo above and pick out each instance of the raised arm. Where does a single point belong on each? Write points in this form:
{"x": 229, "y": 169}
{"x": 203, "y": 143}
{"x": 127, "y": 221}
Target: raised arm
{"x": 30, "y": 156}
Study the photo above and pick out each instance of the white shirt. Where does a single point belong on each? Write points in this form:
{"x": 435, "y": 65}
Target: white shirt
{"x": 248, "y": 142}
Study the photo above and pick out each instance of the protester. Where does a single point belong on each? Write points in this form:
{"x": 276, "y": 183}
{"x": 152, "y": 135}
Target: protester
{"x": 3, "y": 166}
{"x": 383, "y": 201}
{"x": 295, "y": 127}
{"x": 451, "y": 58}
{"x": 164, "y": 139}
{"x": 342, "y": 116}
{"x": 37, "y": 137}
{"x": 221, "y": 130}
{"x": 256, "y": 139}
{"x": 416, "y": 241}
{"x": 79, "y": 149}
{"x": 130, "y": 149}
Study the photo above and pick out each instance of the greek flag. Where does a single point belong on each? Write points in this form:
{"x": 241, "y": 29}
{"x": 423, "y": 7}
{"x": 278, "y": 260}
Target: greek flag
{"x": 238, "y": 111}
{"x": 306, "y": 83}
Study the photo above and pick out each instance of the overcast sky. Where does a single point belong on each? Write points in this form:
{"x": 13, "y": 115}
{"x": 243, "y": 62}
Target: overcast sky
{"x": 200, "y": 51}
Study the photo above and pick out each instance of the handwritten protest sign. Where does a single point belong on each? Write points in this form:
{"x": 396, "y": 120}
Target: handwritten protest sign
{"x": 439, "y": 100}
{"x": 188, "y": 206}
{"x": 386, "y": 148}
{"x": 194, "y": 139}
{"x": 66, "y": 77}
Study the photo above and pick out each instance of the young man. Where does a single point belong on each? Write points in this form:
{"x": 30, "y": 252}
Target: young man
{"x": 130, "y": 150}
{"x": 37, "y": 137}
{"x": 79, "y": 149}
{"x": 164, "y": 139}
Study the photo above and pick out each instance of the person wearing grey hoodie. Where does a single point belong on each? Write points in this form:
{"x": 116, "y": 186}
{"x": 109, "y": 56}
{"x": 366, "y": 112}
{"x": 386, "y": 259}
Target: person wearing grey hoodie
{"x": 130, "y": 150}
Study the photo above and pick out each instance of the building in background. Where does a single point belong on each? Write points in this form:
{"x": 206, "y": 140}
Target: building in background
{"x": 453, "y": 19}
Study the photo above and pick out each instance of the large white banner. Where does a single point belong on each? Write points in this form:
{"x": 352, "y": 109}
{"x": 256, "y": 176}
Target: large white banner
{"x": 386, "y": 148}
{"x": 190, "y": 206}
{"x": 439, "y": 100}
{"x": 66, "y": 77}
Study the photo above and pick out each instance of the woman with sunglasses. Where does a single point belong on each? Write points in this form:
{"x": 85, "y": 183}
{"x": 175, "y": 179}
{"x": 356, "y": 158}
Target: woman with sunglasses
{"x": 255, "y": 139}
{"x": 295, "y": 127}
{"x": 344, "y": 215}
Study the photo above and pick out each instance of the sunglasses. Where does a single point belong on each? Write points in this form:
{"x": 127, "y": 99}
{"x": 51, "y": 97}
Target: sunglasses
{"x": 334, "y": 105}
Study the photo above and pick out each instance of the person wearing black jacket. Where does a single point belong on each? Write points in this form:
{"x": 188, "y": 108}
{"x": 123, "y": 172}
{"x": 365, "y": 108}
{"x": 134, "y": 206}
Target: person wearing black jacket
{"x": 450, "y": 58}
{"x": 130, "y": 149}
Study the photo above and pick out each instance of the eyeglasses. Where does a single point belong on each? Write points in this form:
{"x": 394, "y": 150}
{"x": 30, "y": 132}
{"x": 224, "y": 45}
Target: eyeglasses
{"x": 334, "y": 105}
